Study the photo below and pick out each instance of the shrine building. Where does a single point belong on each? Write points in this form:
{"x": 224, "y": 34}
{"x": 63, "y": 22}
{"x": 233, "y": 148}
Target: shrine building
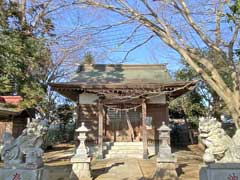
{"x": 122, "y": 104}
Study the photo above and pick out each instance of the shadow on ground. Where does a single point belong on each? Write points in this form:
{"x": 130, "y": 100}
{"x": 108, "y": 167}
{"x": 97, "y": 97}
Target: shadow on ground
{"x": 188, "y": 161}
{"x": 104, "y": 170}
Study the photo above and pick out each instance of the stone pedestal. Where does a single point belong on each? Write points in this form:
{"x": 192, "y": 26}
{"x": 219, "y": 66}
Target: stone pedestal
{"x": 220, "y": 171}
{"x": 80, "y": 169}
{"x": 165, "y": 171}
{"x": 23, "y": 174}
{"x": 81, "y": 161}
{"x": 166, "y": 167}
{"x": 166, "y": 161}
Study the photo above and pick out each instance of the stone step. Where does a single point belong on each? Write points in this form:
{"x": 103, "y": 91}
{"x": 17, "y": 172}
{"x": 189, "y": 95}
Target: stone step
{"x": 126, "y": 151}
{"x": 139, "y": 156}
{"x": 127, "y": 147}
{"x": 128, "y": 143}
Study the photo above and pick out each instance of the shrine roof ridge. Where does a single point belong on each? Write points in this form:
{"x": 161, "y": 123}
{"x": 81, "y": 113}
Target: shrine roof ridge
{"x": 121, "y": 74}
{"x": 89, "y": 67}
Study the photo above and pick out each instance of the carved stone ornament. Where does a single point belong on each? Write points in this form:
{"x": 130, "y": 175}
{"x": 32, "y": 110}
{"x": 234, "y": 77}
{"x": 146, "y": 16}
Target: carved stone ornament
{"x": 25, "y": 151}
{"x": 219, "y": 146}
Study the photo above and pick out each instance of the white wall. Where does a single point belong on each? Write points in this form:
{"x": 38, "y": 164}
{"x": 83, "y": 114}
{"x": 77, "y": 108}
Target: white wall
{"x": 88, "y": 98}
{"x": 160, "y": 99}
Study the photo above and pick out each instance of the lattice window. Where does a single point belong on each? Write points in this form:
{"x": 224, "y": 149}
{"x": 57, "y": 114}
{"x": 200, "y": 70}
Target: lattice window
{"x": 119, "y": 118}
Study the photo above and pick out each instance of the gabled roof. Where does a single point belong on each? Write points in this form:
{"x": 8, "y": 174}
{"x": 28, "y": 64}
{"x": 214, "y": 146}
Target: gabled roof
{"x": 121, "y": 79}
{"x": 121, "y": 74}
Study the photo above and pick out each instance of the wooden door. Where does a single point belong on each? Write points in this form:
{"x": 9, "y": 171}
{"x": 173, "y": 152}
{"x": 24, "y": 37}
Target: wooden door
{"x": 123, "y": 125}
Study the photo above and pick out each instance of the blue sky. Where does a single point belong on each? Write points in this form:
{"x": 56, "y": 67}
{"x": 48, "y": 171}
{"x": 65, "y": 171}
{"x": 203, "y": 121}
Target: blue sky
{"x": 72, "y": 26}
{"x": 73, "y": 23}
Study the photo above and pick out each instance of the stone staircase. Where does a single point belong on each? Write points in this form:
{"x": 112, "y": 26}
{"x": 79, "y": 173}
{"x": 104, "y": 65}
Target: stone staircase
{"x": 125, "y": 150}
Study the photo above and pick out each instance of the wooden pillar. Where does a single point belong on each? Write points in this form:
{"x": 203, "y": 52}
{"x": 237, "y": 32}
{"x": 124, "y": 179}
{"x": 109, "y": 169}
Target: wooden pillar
{"x": 144, "y": 129}
{"x": 104, "y": 122}
{"x": 167, "y": 113}
{"x": 100, "y": 129}
{"x": 77, "y": 124}
{"x": 78, "y": 114}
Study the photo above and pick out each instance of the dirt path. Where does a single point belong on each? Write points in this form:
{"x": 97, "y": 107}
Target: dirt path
{"x": 59, "y": 165}
{"x": 121, "y": 169}
{"x": 189, "y": 162}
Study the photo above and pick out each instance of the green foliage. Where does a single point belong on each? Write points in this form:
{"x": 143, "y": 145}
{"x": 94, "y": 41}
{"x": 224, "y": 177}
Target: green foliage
{"x": 65, "y": 113}
{"x": 54, "y": 136}
{"x": 234, "y": 14}
{"x": 63, "y": 126}
{"x": 190, "y": 105}
{"x": 24, "y": 57}
{"x": 70, "y": 131}
{"x": 234, "y": 17}
{"x": 24, "y": 62}
{"x": 203, "y": 100}
{"x": 31, "y": 21}
{"x": 220, "y": 63}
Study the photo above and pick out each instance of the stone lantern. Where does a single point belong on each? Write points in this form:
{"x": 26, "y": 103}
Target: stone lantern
{"x": 166, "y": 161}
{"x": 164, "y": 143}
{"x": 81, "y": 160}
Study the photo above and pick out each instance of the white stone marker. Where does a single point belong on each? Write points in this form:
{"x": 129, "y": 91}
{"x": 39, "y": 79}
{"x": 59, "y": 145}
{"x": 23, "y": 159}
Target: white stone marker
{"x": 220, "y": 171}
{"x": 81, "y": 160}
{"x": 23, "y": 174}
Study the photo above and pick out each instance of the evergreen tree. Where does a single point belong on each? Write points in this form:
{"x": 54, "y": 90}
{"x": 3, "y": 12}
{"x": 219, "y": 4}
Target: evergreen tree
{"x": 24, "y": 57}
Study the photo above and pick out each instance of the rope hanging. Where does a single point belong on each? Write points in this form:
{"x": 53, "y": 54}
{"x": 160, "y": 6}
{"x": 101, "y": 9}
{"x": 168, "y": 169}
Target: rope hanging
{"x": 132, "y": 108}
{"x": 123, "y": 109}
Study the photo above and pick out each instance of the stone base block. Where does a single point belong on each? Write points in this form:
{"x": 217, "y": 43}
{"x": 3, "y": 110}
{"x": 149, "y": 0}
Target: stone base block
{"x": 81, "y": 171}
{"x": 23, "y": 174}
{"x": 220, "y": 171}
{"x": 166, "y": 171}
{"x": 171, "y": 159}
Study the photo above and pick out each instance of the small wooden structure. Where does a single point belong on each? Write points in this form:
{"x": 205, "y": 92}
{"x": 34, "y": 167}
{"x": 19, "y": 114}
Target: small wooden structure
{"x": 122, "y": 102}
{"x": 13, "y": 119}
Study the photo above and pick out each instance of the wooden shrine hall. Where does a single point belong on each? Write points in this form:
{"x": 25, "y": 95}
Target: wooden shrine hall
{"x": 122, "y": 103}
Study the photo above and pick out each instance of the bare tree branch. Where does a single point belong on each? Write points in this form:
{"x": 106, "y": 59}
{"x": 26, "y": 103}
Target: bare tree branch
{"x": 38, "y": 17}
{"x": 186, "y": 14}
{"x": 137, "y": 46}
{"x": 177, "y": 39}
{"x": 218, "y": 22}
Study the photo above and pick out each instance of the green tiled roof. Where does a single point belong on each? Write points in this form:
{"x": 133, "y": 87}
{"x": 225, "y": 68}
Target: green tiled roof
{"x": 99, "y": 77}
{"x": 123, "y": 74}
